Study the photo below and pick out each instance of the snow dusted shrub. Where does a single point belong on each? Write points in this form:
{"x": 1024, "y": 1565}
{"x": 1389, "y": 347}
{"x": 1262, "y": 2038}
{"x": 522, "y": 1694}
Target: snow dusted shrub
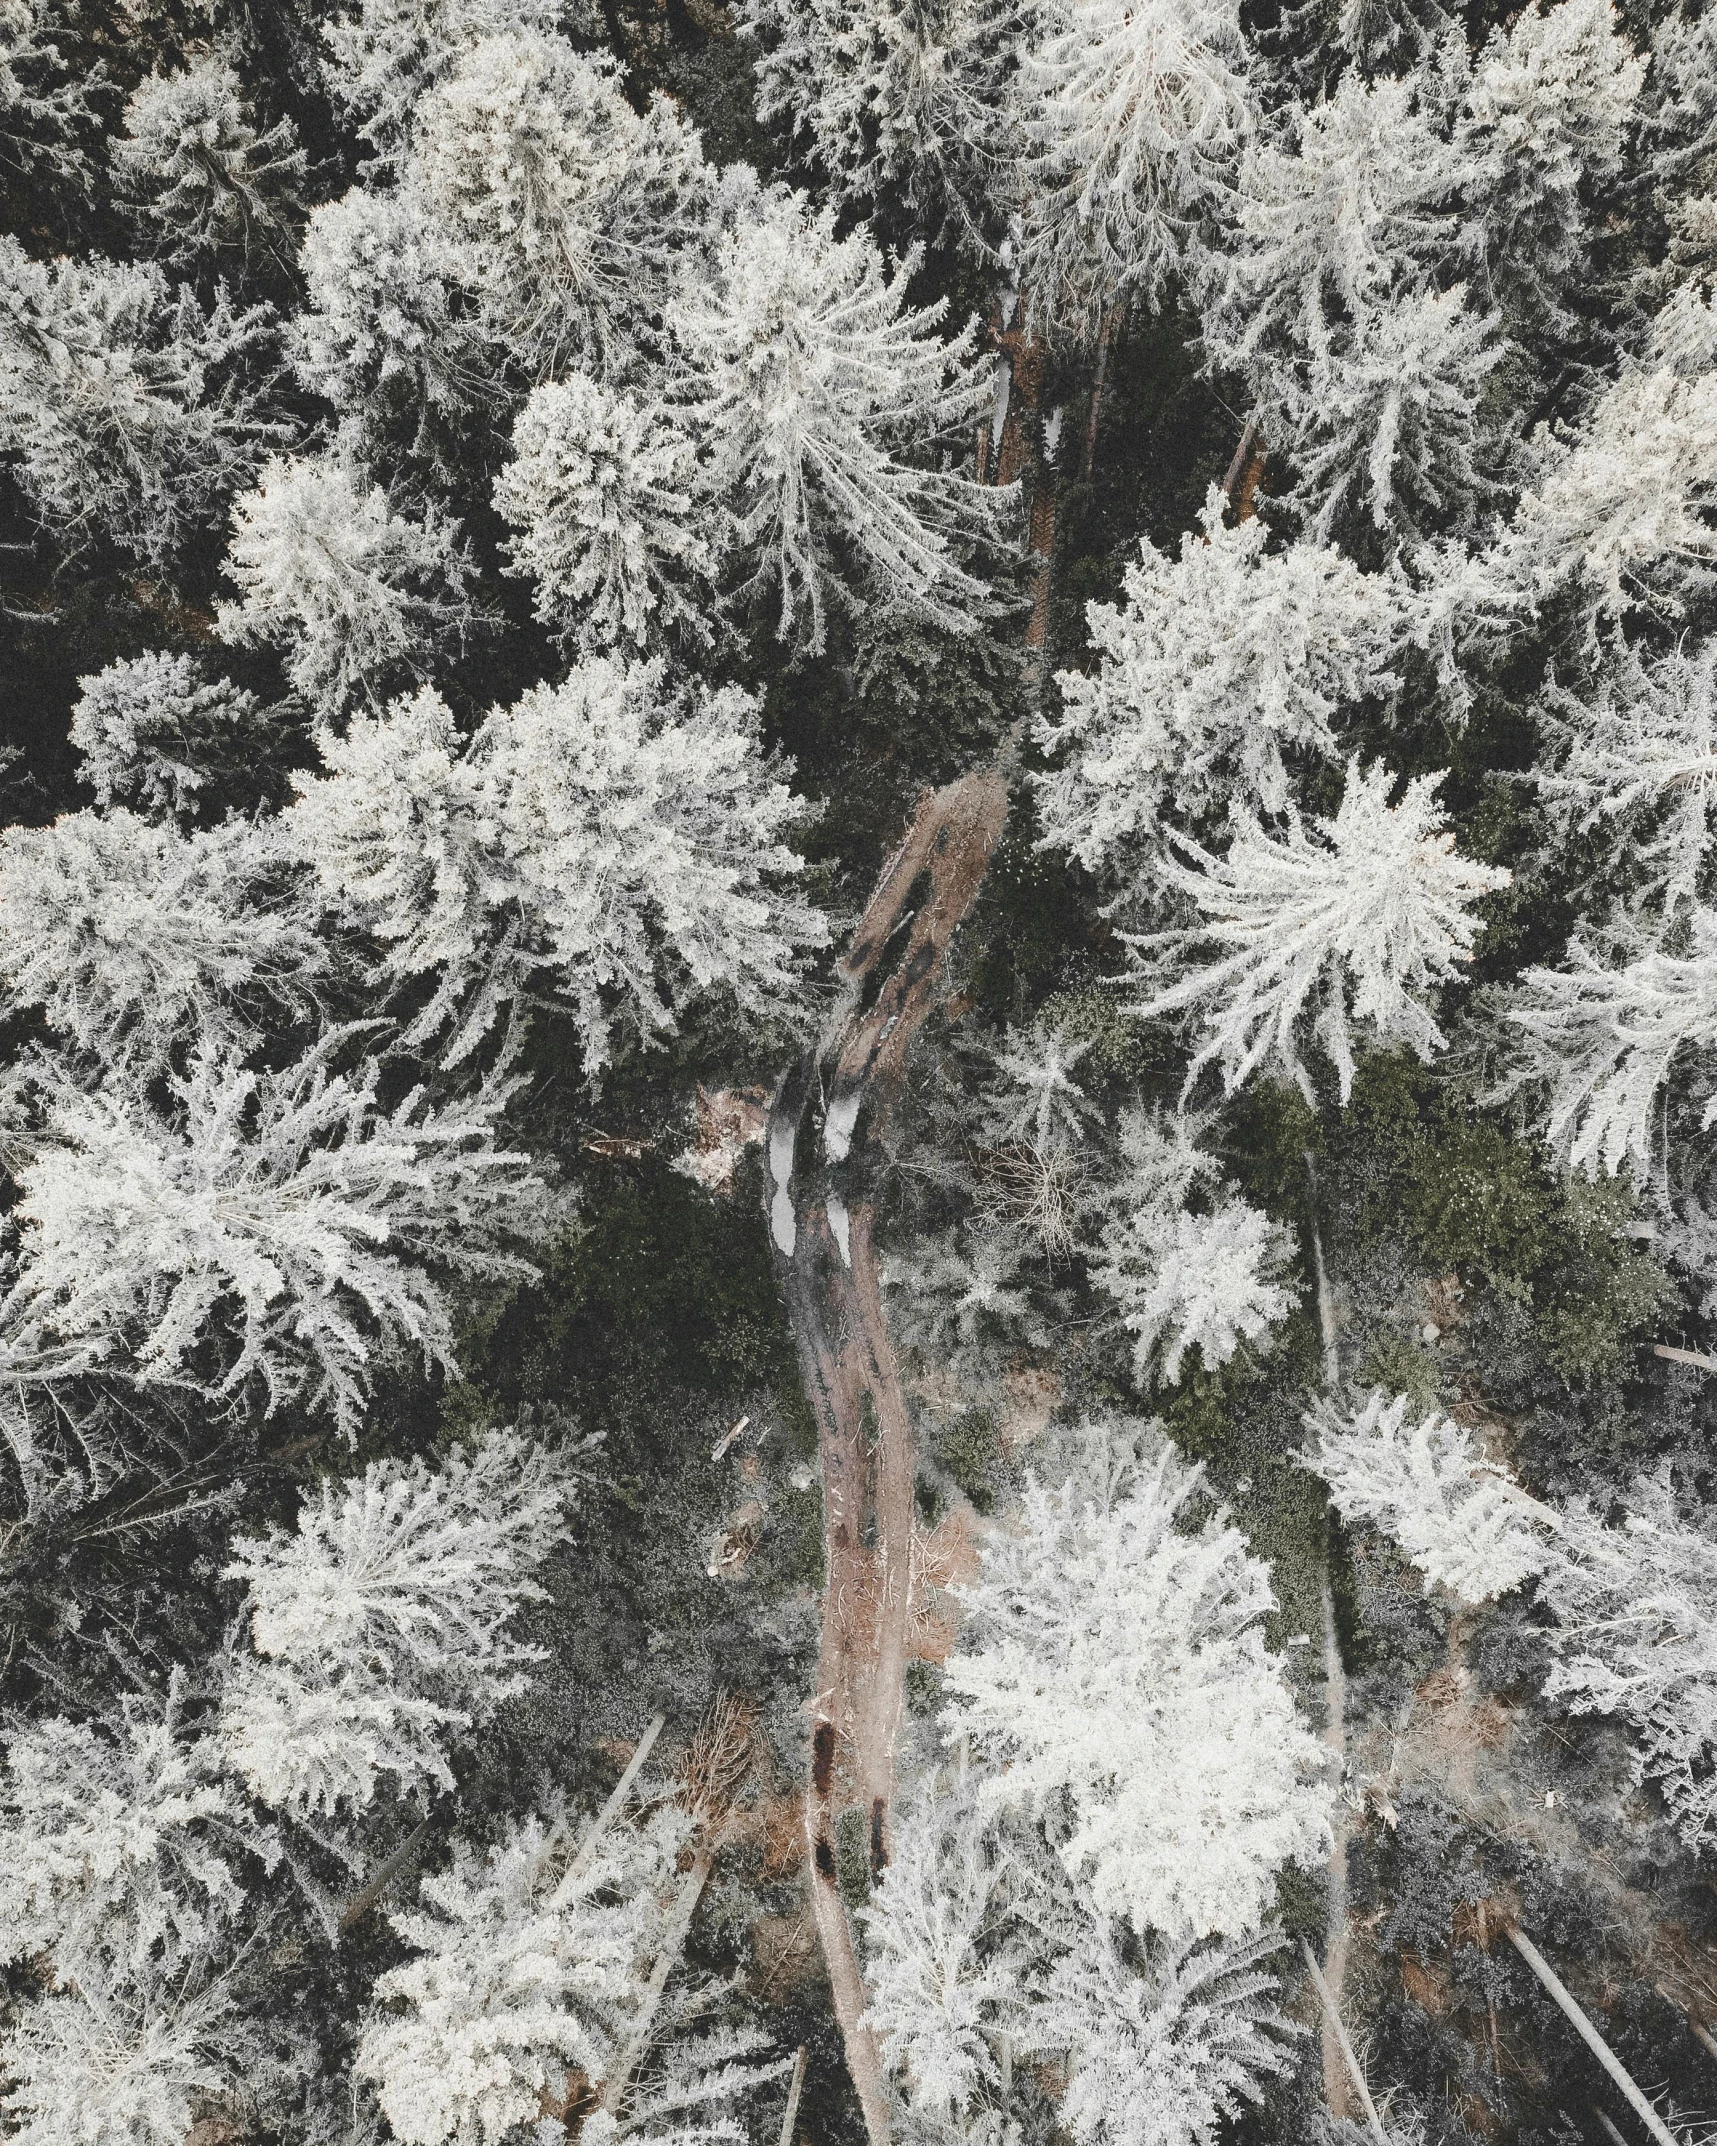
{"x": 1114, "y": 1655}
{"x": 123, "y": 1843}
{"x": 133, "y": 937}
{"x": 381, "y": 1624}
{"x": 603, "y": 489}
{"x": 1222, "y": 666}
{"x": 151, "y": 732}
{"x": 1209, "y": 1281}
{"x": 125, "y": 2059}
{"x": 1348, "y": 924}
{"x": 199, "y": 170}
{"x": 617, "y": 841}
{"x": 1458, "y": 1518}
{"x": 350, "y": 591}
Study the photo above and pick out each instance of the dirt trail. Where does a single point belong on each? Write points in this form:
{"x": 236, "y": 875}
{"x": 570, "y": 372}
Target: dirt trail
{"x": 823, "y": 1121}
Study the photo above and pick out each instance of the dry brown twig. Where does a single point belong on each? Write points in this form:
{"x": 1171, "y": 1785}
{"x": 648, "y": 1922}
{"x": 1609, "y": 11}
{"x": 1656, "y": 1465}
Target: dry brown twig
{"x": 717, "y": 1762}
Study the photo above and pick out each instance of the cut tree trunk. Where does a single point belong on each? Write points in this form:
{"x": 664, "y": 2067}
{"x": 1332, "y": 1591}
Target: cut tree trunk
{"x": 1589, "y": 2034}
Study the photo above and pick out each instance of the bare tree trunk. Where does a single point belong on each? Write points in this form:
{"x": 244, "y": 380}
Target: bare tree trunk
{"x": 1696, "y": 2027}
{"x": 616, "y": 1801}
{"x": 792, "y": 2110}
{"x": 1337, "y": 2056}
{"x": 402, "y": 1859}
{"x": 1589, "y": 2034}
{"x": 1242, "y": 456}
{"x": 1333, "y": 2017}
{"x": 1105, "y": 335}
{"x": 673, "y": 1945}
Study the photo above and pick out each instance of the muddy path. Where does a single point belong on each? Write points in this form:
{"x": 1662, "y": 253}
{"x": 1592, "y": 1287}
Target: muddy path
{"x": 822, "y": 1127}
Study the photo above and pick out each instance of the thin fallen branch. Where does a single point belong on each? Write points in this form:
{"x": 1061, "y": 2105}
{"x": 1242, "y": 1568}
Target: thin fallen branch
{"x": 1594, "y": 2041}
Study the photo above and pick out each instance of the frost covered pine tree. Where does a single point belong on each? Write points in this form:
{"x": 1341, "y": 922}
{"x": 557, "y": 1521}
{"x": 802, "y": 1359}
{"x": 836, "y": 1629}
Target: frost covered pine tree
{"x": 1348, "y": 924}
{"x": 1456, "y": 1516}
{"x": 1345, "y": 206}
{"x": 380, "y": 1625}
{"x": 1636, "y": 1611}
{"x": 1113, "y": 1656}
{"x": 613, "y": 525}
{"x": 898, "y": 99}
{"x": 286, "y": 1219}
{"x": 47, "y": 112}
{"x": 619, "y": 842}
{"x": 1134, "y": 120}
{"x": 1167, "y": 2048}
{"x": 535, "y": 1962}
{"x": 824, "y": 399}
{"x": 1387, "y": 425}
{"x": 352, "y": 592}
{"x": 383, "y": 56}
{"x": 122, "y": 2059}
{"x": 134, "y": 938}
{"x": 1633, "y": 758}
{"x": 127, "y": 407}
{"x": 1599, "y": 1036}
{"x": 1544, "y": 123}
{"x": 1619, "y": 518}
{"x": 946, "y": 1958}
{"x": 1223, "y": 668}
{"x": 565, "y": 214}
{"x": 383, "y": 336}
{"x": 980, "y": 1949}
{"x": 152, "y": 733}
{"x": 201, "y": 176}
{"x": 125, "y": 1843}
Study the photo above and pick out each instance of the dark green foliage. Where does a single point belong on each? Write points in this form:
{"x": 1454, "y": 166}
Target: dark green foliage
{"x": 1469, "y": 1198}
{"x": 968, "y": 1449}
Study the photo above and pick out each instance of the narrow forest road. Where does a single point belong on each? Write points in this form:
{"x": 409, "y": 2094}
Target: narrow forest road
{"x": 821, "y": 1126}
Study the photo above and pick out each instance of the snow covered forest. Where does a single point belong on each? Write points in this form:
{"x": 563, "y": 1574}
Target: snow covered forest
{"x": 858, "y": 1098}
